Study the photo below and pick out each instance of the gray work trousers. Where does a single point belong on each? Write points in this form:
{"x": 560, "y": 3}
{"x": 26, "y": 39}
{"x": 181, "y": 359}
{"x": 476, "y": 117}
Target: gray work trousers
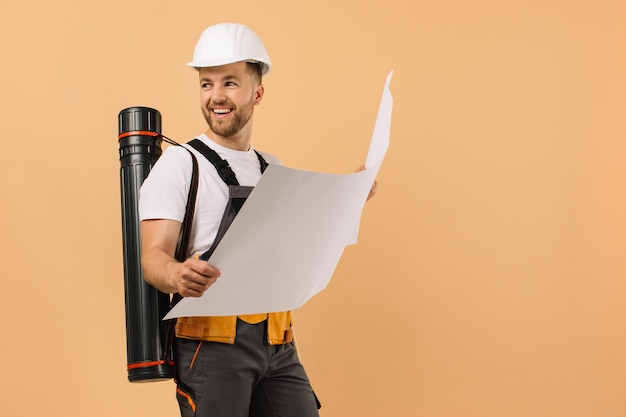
{"x": 249, "y": 378}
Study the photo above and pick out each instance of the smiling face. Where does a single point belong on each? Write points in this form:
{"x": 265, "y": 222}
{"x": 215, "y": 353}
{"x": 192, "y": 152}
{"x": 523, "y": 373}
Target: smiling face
{"x": 228, "y": 94}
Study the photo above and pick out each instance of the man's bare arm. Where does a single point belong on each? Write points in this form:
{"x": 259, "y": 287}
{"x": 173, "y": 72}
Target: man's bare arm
{"x": 161, "y": 270}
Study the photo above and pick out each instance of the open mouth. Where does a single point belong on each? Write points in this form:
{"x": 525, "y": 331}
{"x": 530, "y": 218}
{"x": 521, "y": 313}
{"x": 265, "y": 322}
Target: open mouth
{"x": 221, "y": 111}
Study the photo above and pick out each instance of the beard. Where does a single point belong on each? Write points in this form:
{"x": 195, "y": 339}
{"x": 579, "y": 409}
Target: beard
{"x": 239, "y": 117}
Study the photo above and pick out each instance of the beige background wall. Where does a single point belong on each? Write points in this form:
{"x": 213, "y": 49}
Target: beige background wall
{"x": 490, "y": 276}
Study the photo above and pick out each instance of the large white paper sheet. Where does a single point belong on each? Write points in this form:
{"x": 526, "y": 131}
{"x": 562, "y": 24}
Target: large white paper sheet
{"x": 285, "y": 243}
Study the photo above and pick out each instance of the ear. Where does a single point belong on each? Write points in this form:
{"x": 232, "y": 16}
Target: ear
{"x": 258, "y": 93}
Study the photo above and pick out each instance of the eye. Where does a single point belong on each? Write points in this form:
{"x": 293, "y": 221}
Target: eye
{"x": 230, "y": 84}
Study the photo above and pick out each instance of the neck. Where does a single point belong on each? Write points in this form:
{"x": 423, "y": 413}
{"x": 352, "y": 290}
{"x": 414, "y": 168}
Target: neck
{"x": 238, "y": 142}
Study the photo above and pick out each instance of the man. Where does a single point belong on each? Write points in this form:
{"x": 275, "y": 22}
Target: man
{"x": 226, "y": 366}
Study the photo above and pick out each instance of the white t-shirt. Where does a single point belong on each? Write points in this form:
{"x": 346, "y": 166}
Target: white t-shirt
{"x": 163, "y": 194}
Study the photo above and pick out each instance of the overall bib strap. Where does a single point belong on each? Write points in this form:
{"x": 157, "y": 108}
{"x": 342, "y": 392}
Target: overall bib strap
{"x": 221, "y": 165}
{"x": 237, "y": 194}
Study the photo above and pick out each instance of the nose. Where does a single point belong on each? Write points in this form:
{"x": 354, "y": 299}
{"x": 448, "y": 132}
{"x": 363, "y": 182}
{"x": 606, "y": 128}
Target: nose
{"x": 218, "y": 95}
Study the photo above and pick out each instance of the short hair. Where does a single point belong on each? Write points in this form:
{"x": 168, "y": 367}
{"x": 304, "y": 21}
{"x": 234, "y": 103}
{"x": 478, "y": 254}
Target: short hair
{"x": 255, "y": 69}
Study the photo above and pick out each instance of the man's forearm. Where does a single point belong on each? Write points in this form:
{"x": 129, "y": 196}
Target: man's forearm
{"x": 158, "y": 268}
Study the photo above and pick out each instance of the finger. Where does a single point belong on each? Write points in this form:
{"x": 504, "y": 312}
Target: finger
{"x": 202, "y": 268}
{"x": 372, "y": 190}
{"x": 195, "y": 288}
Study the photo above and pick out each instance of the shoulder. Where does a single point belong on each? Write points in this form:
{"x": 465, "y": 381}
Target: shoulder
{"x": 172, "y": 170}
{"x": 178, "y": 153}
{"x": 174, "y": 159}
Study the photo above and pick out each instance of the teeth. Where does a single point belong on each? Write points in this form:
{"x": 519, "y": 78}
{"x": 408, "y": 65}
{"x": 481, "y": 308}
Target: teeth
{"x": 221, "y": 111}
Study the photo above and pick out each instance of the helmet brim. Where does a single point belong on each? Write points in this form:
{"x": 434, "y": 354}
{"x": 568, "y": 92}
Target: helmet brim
{"x": 266, "y": 67}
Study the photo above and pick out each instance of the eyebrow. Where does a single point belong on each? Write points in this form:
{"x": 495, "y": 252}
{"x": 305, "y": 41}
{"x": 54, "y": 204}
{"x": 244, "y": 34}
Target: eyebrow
{"x": 225, "y": 78}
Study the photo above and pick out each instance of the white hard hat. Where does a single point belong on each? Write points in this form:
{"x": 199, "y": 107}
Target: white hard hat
{"x": 226, "y": 43}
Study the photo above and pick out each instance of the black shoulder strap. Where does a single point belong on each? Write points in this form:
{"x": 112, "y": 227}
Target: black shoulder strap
{"x": 182, "y": 250}
{"x": 223, "y": 169}
{"x": 183, "y": 243}
{"x": 262, "y": 161}
{"x": 221, "y": 165}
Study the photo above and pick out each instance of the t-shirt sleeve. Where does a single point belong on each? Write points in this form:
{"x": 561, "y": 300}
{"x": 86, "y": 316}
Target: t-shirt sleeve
{"x": 163, "y": 194}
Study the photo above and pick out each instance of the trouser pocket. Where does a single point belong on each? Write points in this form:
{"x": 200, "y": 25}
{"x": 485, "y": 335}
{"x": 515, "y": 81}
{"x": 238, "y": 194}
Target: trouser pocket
{"x": 185, "y": 353}
{"x": 186, "y": 400}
